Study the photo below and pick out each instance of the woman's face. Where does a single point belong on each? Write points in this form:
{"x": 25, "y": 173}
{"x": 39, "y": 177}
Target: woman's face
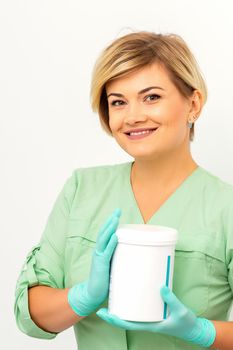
{"x": 147, "y": 114}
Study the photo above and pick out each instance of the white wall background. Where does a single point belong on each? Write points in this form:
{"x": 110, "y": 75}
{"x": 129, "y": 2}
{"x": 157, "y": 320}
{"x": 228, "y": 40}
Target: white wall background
{"x": 47, "y": 50}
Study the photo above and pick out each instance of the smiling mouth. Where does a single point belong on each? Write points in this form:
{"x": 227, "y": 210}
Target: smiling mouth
{"x": 135, "y": 135}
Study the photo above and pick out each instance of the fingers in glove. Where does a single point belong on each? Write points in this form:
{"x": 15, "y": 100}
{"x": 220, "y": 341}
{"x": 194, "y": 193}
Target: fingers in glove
{"x": 111, "y": 246}
{"x": 115, "y": 321}
{"x": 106, "y": 233}
{"x": 172, "y": 301}
{"x": 104, "y": 239}
{"x": 116, "y": 213}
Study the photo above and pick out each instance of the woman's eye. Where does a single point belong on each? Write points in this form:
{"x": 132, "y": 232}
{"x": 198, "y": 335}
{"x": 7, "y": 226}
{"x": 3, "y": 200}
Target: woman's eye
{"x": 117, "y": 103}
{"x": 153, "y": 97}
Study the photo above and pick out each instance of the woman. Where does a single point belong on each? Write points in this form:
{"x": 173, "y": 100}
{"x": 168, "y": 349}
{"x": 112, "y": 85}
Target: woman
{"x": 148, "y": 91}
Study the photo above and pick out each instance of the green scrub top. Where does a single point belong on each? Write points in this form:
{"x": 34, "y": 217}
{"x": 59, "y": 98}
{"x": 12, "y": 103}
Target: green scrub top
{"x": 201, "y": 209}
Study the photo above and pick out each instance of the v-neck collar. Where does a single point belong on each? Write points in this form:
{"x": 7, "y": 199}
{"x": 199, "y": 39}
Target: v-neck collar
{"x": 178, "y": 192}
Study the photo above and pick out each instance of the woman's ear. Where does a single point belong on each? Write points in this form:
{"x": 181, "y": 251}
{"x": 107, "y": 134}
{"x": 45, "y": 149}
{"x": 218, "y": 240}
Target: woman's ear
{"x": 196, "y": 103}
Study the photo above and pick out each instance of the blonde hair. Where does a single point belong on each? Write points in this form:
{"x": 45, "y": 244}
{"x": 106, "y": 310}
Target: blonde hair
{"x": 136, "y": 50}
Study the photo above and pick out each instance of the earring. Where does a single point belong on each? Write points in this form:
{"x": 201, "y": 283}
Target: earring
{"x": 190, "y": 124}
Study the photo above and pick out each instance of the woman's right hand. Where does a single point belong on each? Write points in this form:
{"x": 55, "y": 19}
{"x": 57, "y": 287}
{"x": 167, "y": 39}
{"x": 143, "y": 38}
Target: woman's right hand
{"x": 85, "y": 297}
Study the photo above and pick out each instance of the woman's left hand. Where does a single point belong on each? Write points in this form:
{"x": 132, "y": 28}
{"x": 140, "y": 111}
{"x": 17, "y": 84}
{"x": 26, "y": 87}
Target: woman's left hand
{"x": 181, "y": 322}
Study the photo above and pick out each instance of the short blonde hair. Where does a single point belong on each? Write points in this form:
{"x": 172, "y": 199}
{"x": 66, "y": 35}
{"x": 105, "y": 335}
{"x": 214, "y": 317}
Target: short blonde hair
{"x": 136, "y": 50}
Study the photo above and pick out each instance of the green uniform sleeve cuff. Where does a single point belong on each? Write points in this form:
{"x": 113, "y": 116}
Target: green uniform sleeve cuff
{"x": 25, "y": 322}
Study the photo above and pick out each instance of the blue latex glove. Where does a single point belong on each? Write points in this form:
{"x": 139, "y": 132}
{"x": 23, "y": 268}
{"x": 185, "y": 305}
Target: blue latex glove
{"x": 85, "y": 297}
{"x": 181, "y": 322}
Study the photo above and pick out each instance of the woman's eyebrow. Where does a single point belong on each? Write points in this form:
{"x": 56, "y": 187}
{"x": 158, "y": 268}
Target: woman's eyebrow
{"x": 139, "y": 93}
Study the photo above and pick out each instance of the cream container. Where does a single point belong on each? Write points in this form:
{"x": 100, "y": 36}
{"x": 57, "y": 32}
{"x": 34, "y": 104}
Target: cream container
{"x": 142, "y": 263}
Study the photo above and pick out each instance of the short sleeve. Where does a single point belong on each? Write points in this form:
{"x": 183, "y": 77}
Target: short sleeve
{"x": 228, "y": 221}
{"x": 44, "y": 263}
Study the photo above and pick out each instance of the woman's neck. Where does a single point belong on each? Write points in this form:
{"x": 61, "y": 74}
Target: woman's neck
{"x": 159, "y": 173}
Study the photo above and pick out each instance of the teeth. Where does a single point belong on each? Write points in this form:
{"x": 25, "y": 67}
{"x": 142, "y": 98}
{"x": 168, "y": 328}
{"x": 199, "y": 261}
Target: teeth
{"x": 140, "y": 132}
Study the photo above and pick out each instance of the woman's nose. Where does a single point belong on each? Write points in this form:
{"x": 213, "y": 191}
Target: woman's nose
{"x": 134, "y": 114}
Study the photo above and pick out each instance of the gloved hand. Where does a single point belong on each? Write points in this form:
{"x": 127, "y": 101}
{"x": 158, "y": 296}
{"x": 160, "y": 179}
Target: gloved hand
{"x": 181, "y": 322}
{"x": 85, "y": 297}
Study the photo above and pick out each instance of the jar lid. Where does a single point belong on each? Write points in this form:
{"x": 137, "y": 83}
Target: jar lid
{"x": 146, "y": 234}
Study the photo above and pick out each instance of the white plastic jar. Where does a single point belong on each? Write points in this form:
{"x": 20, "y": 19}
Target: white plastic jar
{"x": 142, "y": 263}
